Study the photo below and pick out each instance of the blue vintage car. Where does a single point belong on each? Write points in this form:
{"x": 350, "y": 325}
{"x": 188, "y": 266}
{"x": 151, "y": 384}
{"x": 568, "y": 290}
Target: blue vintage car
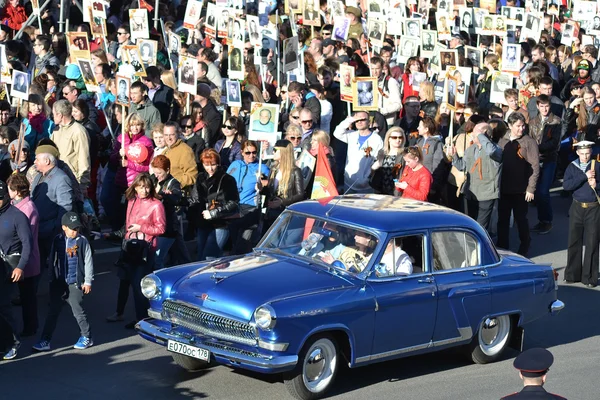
{"x": 359, "y": 279}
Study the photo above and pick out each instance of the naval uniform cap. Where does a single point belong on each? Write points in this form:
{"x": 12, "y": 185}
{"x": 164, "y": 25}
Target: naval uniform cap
{"x": 534, "y": 363}
{"x": 584, "y": 144}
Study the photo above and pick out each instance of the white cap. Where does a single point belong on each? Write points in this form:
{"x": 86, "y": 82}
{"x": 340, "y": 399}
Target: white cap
{"x": 584, "y": 144}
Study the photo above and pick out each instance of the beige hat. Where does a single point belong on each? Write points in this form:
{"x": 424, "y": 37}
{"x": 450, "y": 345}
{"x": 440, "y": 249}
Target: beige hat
{"x": 354, "y": 11}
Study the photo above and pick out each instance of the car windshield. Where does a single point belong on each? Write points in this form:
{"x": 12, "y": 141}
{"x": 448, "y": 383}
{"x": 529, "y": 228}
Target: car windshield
{"x": 337, "y": 245}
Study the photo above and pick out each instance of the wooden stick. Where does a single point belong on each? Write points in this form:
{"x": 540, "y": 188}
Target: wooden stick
{"x": 123, "y": 129}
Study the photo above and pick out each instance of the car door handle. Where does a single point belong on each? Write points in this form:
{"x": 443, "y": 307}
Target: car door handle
{"x": 481, "y": 272}
{"x": 426, "y": 280}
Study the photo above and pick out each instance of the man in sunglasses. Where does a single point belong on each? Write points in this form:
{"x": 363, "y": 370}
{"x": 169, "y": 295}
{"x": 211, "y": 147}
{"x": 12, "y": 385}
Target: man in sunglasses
{"x": 114, "y": 49}
{"x": 363, "y": 147}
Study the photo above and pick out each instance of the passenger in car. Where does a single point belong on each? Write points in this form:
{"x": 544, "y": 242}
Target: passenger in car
{"x": 396, "y": 260}
{"x": 354, "y": 258}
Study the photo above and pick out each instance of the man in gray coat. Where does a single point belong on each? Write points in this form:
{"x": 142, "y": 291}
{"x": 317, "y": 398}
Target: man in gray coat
{"x": 52, "y": 194}
{"x": 482, "y": 162}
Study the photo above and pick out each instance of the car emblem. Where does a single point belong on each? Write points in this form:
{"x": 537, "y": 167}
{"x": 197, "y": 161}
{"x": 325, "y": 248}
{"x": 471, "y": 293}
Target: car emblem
{"x": 204, "y": 296}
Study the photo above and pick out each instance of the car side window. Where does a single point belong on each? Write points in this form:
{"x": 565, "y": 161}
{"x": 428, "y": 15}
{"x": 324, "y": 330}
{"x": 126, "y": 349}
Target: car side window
{"x": 402, "y": 256}
{"x": 453, "y": 250}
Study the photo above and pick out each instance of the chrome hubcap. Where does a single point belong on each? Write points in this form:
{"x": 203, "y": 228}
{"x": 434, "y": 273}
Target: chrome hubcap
{"x": 490, "y": 331}
{"x": 493, "y": 334}
{"x": 315, "y": 364}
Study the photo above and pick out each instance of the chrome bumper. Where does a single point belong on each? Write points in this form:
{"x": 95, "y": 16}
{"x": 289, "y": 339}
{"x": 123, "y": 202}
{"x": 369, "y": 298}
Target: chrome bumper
{"x": 223, "y": 352}
{"x": 556, "y": 307}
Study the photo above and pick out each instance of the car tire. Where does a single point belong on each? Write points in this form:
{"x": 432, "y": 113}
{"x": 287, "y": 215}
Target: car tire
{"x": 491, "y": 340}
{"x": 190, "y": 363}
{"x": 316, "y": 369}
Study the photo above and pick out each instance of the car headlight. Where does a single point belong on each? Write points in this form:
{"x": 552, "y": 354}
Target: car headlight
{"x": 151, "y": 285}
{"x": 265, "y": 317}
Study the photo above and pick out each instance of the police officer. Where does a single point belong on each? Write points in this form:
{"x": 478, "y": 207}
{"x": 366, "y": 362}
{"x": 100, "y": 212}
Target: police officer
{"x": 581, "y": 177}
{"x": 533, "y": 365}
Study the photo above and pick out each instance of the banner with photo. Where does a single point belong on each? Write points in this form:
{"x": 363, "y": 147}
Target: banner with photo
{"x": 188, "y": 74}
{"x": 365, "y": 94}
{"x": 138, "y": 24}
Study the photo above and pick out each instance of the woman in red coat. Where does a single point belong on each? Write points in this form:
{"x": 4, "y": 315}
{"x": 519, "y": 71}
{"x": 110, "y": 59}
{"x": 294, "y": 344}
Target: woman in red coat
{"x": 13, "y": 15}
{"x": 416, "y": 179}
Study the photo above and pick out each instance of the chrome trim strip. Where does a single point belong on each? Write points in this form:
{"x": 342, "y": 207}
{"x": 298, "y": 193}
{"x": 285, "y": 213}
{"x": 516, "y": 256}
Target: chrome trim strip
{"x": 154, "y": 314}
{"x": 226, "y": 351}
{"x": 272, "y": 346}
{"x": 465, "y": 334}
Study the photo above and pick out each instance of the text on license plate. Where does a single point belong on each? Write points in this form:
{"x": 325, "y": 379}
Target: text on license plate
{"x": 187, "y": 350}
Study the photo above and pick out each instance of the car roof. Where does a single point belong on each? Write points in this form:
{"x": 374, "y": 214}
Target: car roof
{"x": 385, "y": 213}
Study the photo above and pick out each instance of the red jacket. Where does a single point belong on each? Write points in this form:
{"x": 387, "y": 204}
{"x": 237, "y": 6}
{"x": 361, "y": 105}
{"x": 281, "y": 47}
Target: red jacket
{"x": 407, "y": 89}
{"x": 419, "y": 182}
{"x": 13, "y": 17}
{"x": 150, "y": 215}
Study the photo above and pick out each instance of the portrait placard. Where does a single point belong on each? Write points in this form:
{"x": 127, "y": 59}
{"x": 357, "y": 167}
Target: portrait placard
{"x": 148, "y": 51}
{"x": 290, "y": 54}
{"x": 188, "y": 68}
{"x": 132, "y": 57}
{"x": 365, "y": 94}
{"x": 79, "y": 46}
{"x": 123, "y": 85}
{"x": 138, "y": 23}
{"x": 346, "y": 78}
{"x": 20, "y": 85}
{"x": 192, "y": 14}
{"x": 376, "y": 32}
{"x": 234, "y": 98}
{"x": 236, "y": 63}
{"x": 264, "y": 118}
{"x": 500, "y": 82}
{"x": 428, "y": 41}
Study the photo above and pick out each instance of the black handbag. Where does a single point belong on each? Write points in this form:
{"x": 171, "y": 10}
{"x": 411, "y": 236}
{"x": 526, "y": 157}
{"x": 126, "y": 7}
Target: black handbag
{"x": 9, "y": 263}
{"x": 135, "y": 250}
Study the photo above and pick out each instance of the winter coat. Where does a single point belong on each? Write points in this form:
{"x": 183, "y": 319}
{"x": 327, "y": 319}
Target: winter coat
{"x": 52, "y": 195}
{"x": 150, "y": 215}
{"x": 74, "y": 146}
{"x": 183, "y": 163}
{"x": 217, "y": 193}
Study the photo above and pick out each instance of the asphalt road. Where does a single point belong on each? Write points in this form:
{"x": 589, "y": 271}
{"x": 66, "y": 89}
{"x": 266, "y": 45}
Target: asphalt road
{"x": 121, "y": 365}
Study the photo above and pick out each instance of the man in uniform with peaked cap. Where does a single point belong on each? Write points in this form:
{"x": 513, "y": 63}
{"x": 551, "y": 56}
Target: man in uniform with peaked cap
{"x": 581, "y": 178}
{"x": 533, "y": 366}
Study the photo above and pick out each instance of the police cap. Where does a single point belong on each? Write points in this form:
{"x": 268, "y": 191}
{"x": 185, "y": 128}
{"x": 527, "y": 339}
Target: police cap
{"x": 534, "y": 363}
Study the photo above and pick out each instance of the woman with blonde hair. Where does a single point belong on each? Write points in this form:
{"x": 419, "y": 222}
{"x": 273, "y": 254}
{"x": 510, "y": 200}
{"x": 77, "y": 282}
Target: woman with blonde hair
{"x": 319, "y": 139}
{"x": 285, "y": 185}
{"x": 134, "y": 154}
{"x": 426, "y": 95}
{"x": 389, "y": 165}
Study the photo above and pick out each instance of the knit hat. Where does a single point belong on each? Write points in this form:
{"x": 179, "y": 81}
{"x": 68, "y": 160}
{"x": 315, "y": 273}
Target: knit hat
{"x": 47, "y": 149}
{"x": 203, "y": 90}
{"x": 72, "y": 71}
{"x": 584, "y": 64}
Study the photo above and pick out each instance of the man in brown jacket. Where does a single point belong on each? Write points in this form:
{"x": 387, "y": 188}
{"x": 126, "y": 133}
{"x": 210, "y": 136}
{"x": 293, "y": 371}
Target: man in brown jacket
{"x": 183, "y": 163}
{"x": 520, "y": 171}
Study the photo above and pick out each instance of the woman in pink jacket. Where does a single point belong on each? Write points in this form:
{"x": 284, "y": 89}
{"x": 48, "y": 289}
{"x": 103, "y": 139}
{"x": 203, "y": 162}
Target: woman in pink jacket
{"x": 145, "y": 219}
{"x": 18, "y": 189}
{"x": 135, "y": 154}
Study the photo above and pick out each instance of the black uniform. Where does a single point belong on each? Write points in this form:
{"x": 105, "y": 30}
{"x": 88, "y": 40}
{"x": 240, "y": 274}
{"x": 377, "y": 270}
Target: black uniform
{"x": 584, "y": 217}
{"x": 533, "y": 393}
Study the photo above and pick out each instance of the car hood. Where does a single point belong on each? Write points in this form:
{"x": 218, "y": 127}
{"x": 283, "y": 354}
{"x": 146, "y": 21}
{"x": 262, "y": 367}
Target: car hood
{"x": 236, "y": 286}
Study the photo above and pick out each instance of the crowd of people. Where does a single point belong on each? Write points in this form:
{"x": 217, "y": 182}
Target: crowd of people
{"x": 157, "y": 166}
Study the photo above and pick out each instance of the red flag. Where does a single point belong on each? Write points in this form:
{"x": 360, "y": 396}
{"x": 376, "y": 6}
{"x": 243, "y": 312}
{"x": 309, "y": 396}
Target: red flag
{"x": 145, "y": 5}
{"x": 324, "y": 184}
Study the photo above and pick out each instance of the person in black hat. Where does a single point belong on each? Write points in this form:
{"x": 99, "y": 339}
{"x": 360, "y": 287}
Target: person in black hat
{"x": 15, "y": 238}
{"x": 581, "y": 177}
{"x": 533, "y": 366}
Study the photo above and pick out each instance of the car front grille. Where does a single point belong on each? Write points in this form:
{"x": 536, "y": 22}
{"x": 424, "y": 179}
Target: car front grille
{"x": 208, "y": 324}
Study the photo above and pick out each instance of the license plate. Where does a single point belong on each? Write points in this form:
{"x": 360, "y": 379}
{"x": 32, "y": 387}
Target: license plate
{"x": 187, "y": 350}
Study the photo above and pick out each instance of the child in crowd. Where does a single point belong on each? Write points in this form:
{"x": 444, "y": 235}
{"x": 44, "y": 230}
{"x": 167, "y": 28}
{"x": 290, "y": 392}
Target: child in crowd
{"x": 71, "y": 274}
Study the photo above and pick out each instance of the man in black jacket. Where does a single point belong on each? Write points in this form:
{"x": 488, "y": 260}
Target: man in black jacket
{"x": 15, "y": 238}
{"x": 210, "y": 115}
{"x": 300, "y": 97}
{"x": 160, "y": 94}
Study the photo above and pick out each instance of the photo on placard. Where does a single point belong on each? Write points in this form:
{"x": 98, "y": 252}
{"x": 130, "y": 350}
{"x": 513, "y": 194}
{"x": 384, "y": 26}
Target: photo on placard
{"x": 587, "y": 39}
{"x": 500, "y": 82}
{"x": 489, "y": 5}
{"x": 5, "y": 71}
{"x": 517, "y": 16}
{"x": 264, "y": 118}
{"x": 435, "y": 60}
{"x": 376, "y": 32}
{"x": 428, "y": 41}
{"x": 488, "y": 25}
{"x": 466, "y": 19}
{"x": 85, "y": 66}
{"x": 267, "y": 46}
{"x": 511, "y": 57}
{"x": 210, "y": 27}
{"x": 462, "y": 76}
{"x": 174, "y": 43}
{"x": 595, "y": 23}
{"x": 532, "y": 26}
{"x": 290, "y": 54}
{"x": 133, "y": 58}
{"x": 445, "y": 5}
{"x": 239, "y": 32}
{"x": 346, "y": 78}
{"x": 443, "y": 25}
{"x": 554, "y": 7}
{"x": 478, "y": 15}
{"x": 568, "y": 31}
{"x": 341, "y": 26}
{"x": 448, "y": 58}
{"x": 532, "y": 5}
{"x": 374, "y": 7}
{"x": 138, "y": 23}
{"x": 192, "y": 14}
{"x": 78, "y": 45}
{"x": 451, "y": 92}
{"x": 97, "y": 26}
{"x": 412, "y": 27}
{"x": 365, "y": 94}
{"x": 500, "y": 25}
{"x": 583, "y": 10}
{"x": 337, "y": 9}
{"x": 423, "y": 6}
{"x": 474, "y": 55}
{"x": 20, "y": 85}
{"x": 293, "y": 6}
{"x": 188, "y": 69}
{"x": 253, "y": 30}
{"x": 408, "y": 47}
{"x": 148, "y": 49}
{"x": 392, "y": 22}
{"x": 234, "y": 97}
{"x": 236, "y": 63}
{"x": 311, "y": 14}
{"x": 123, "y": 85}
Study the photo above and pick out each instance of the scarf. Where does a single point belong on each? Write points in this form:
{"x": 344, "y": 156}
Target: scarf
{"x": 588, "y": 109}
{"x": 583, "y": 81}
{"x": 37, "y": 122}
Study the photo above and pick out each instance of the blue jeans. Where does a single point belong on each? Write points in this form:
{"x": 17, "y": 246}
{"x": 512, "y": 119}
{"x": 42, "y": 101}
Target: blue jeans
{"x": 164, "y": 244}
{"x": 211, "y": 242}
{"x": 543, "y": 191}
